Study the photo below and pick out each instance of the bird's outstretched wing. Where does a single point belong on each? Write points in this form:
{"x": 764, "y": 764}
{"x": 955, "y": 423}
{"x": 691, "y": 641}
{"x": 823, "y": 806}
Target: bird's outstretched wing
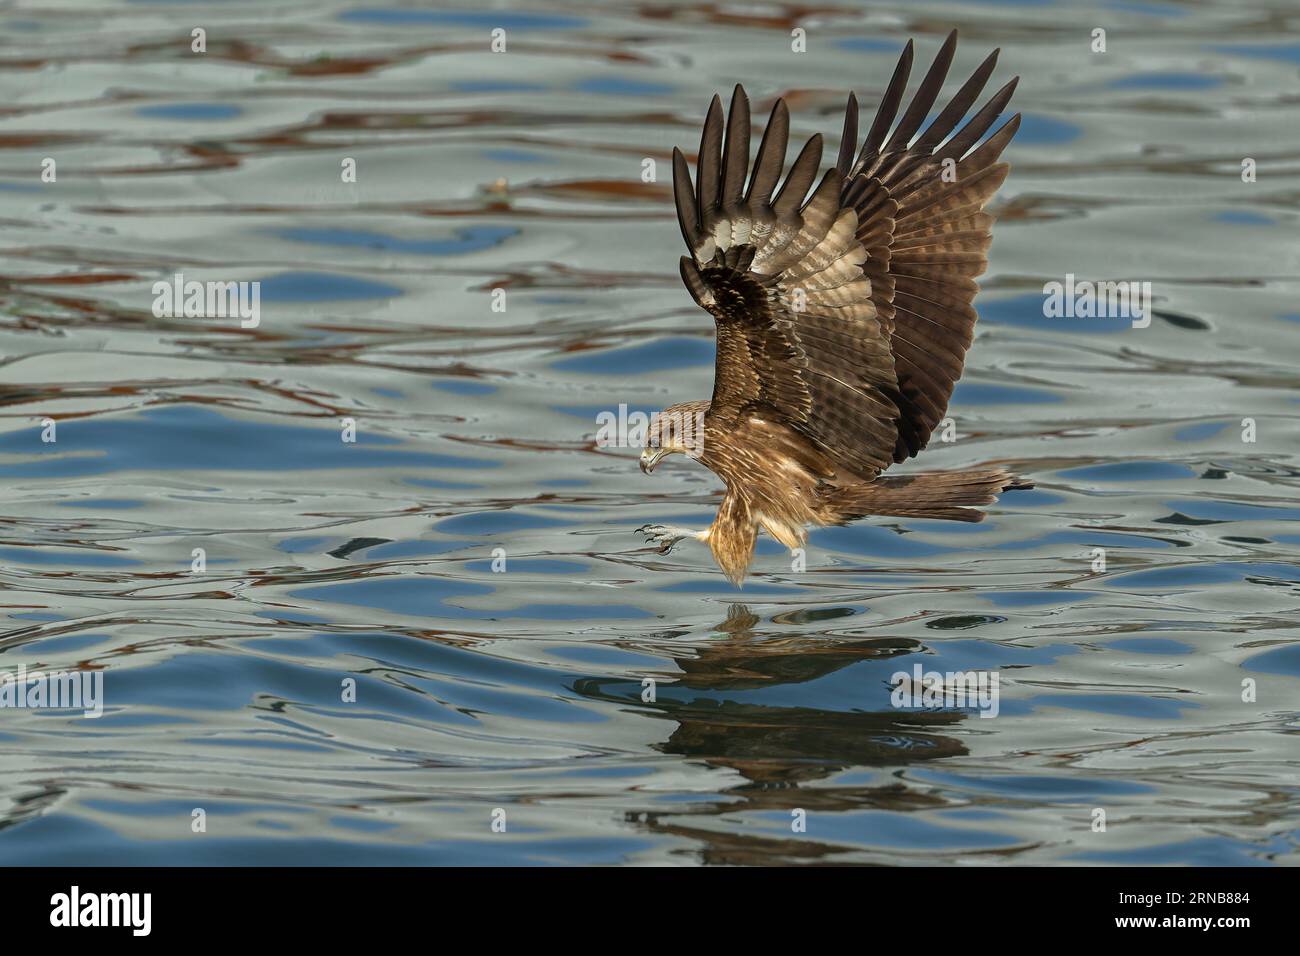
{"x": 798, "y": 337}
{"x": 846, "y": 317}
{"x": 920, "y": 203}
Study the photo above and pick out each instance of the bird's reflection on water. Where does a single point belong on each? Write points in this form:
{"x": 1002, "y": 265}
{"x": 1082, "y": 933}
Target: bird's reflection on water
{"x": 778, "y": 750}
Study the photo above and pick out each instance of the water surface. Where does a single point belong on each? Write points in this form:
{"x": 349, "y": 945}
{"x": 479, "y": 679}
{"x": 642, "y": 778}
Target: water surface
{"x": 524, "y": 690}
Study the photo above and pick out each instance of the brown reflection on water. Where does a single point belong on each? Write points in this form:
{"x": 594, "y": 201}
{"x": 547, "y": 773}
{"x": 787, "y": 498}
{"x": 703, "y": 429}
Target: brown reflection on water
{"x": 778, "y": 751}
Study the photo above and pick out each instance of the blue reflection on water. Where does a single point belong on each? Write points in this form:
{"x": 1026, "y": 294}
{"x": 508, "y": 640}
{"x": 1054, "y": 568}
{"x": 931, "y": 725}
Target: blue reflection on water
{"x": 429, "y": 596}
{"x": 621, "y": 86}
{"x": 487, "y": 20}
{"x": 658, "y": 355}
{"x": 466, "y": 240}
{"x": 1201, "y": 573}
{"x": 1232, "y": 510}
{"x": 1166, "y": 81}
{"x": 191, "y": 111}
{"x": 987, "y": 393}
{"x": 323, "y": 287}
{"x": 65, "y": 839}
{"x": 77, "y": 557}
{"x": 1243, "y": 217}
{"x": 1026, "y": 311}
{"x": 1125, "y": 471}
{"x": 191, "y": 437}
{"x": 1286, "y": 52}
{"x": 1283, "y": 660}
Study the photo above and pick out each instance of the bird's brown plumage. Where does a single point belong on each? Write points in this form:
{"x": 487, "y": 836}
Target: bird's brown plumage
{"x": 843, "y": 317}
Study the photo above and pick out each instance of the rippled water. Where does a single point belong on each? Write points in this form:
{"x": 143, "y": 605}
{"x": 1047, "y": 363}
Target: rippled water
{"x": 1122, "y": 689}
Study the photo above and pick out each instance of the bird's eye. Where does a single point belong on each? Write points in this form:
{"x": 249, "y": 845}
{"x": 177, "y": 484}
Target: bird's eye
{"x": 654, "y": 443}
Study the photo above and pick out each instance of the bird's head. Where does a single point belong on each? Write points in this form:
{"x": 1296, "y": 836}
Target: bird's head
{"x": 678, "y": 429}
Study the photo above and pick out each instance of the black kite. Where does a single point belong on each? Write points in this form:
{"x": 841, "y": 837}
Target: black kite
{"x": 843, "y": 320}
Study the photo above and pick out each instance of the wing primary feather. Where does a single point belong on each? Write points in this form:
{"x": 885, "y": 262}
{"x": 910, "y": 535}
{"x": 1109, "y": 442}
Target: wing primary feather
{"x": 709, "y": 163}
{"x": 827, "y": 190}
{"x": 735, "y": 156}
{"x": 684, "y": 197}
{"x": 849, "y": 138}
{"x": 992, "y": 147}
{"x": 979, "y": 124}
{"x": 771, "y": 156}
{"x": 956, "y": 109}
{"x": 925, "y": 96}
{"x": 802, "y": 173}
{"x": 888, "y": 109}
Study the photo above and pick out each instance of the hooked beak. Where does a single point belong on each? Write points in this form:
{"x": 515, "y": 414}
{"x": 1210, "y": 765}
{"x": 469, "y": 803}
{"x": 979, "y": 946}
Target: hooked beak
{"x": 649, "y": 458}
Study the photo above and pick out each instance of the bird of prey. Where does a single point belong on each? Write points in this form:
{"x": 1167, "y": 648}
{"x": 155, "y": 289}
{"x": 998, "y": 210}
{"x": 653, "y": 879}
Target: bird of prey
{"x": 843, "y": 317}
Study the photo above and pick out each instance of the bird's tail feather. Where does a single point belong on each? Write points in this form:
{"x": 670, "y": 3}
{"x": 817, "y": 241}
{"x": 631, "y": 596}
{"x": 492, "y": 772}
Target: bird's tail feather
{"x": 954, "y": 495}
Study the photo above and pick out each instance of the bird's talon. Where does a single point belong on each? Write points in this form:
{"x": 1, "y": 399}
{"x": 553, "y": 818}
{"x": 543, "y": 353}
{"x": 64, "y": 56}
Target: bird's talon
{"x": 665, "y": 537}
